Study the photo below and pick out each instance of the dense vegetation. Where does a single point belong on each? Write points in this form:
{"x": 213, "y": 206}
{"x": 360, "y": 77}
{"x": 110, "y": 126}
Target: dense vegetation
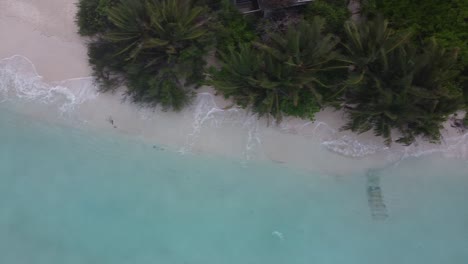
{"x": 446, "y": 20}
{"x": 394, "y": 85}
{"x": 335, "y": 13}
{"x": 400, "y": 75}
{"x": 92, "y": 16}
{"x": 284, "y": 75}
{"x": 155, "y": 48}
{"x": 232, "y": 28}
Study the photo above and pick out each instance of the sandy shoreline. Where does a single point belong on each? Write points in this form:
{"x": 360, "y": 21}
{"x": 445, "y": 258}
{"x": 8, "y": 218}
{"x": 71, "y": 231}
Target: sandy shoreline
{"x": 45, "y": 34}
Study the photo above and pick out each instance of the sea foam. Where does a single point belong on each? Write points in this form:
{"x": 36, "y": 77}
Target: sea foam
{"x": 19, "y": 81}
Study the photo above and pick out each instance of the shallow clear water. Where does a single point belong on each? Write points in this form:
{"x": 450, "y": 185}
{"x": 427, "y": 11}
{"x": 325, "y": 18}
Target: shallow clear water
{"x": 68, "y": 196}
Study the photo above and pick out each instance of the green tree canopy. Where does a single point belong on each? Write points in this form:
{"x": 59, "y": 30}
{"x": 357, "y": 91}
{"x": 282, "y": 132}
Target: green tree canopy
{"x": 286, "y": 75}
{"x": 394, "y": 85}
{"x": 446, "y": 20}
{"x": 155, "y": 47}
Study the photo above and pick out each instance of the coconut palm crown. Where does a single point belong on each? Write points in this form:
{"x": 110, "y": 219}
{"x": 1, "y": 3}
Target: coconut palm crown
{"x": 393, "y": 85}
{"x": 286, "y": 75}
{"x": 155, "y": 47}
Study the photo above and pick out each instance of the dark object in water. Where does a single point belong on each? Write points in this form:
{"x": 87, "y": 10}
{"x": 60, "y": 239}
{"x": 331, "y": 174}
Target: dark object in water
{"x": 111, "y": 121}
{"x": 158, "y": 148}
{"x": 375, "y": 197}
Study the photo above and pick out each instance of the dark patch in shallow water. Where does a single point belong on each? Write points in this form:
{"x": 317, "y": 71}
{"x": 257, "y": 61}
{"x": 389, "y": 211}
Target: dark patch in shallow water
{"x": 375, "y": 198}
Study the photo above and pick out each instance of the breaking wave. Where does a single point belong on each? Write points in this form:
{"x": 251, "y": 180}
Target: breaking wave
{"x": 351, "y": 147}
{"x": 206, "y": 113}
{"x": 19, "y": 81}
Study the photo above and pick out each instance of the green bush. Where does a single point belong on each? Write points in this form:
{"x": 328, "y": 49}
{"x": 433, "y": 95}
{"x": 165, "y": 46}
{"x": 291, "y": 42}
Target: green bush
{"x": 306, "y": 107}
{"x": 334, "y": 12}
{"x": 92, "y": 16}
{"x": 232, "y": 28}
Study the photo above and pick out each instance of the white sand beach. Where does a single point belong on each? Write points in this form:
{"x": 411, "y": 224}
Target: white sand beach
{"x": 40, "y": 35}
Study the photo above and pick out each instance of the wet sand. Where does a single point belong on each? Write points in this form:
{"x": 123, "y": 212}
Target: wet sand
{"x": 44, "y": 33}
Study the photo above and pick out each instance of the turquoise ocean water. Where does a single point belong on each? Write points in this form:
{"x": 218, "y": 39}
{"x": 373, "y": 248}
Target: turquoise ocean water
{"x": 69, "y": 197}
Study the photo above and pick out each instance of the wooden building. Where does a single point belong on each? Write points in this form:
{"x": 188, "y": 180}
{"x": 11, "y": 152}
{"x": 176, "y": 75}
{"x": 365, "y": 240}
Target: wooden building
{"x": 253, "y": 6}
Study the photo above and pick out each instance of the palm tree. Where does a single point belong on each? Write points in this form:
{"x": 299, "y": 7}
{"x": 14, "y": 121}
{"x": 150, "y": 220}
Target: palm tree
{"x": 285, "y": 75}
{"x": 308, "y": 52}
{"x": 156, "y": 46}
{"x": 434, "y": 90}
{"x": 393, "y": 85}
{"x": 165, "y": 27}
{"x": 369, "y": 41}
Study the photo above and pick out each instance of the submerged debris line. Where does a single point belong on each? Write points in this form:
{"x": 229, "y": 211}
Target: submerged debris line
{"x": 375, "y": 199}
